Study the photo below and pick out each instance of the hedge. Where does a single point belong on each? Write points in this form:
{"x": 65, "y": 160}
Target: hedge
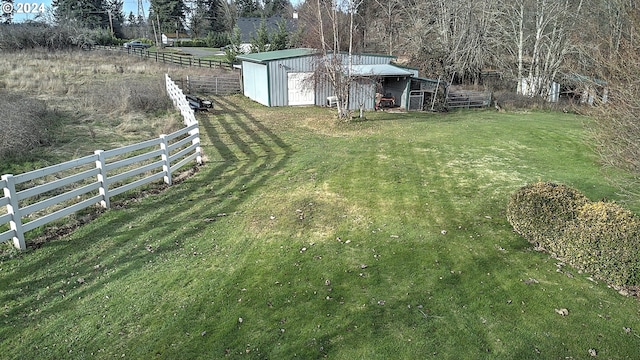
{"x": 605, "y": 241}
{"x": 540, "y": 211}
{"x": 598, "y": 237}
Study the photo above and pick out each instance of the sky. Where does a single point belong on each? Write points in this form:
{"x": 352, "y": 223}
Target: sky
{"x": 129, "y": 6}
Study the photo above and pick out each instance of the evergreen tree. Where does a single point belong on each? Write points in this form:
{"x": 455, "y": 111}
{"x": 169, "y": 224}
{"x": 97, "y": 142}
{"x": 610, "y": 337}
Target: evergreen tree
{"x": 90, "y": 14}
{"x": 233, "y": 49}
{"x": 248, "y": 8}
{"x": 209, "y": 16}
{"x": 131, "y": 19}
{"x": 170, "y": 14}
{"x": 280, "y": 39}
{"x": 114, "y": 7}
{"x": 260, "y": 42}
{"x": 198, "y": 24}
{"x": 276, "y": 7}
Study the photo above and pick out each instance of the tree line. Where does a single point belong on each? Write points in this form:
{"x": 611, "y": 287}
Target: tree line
{"x": 200, "y": 18}
{"x": 536, "y": 40}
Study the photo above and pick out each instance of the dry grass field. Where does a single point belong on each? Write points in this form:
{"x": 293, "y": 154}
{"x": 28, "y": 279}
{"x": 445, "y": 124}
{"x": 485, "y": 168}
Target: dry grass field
{"x": 88, "y": 100}
{"x": 63, "y": 105}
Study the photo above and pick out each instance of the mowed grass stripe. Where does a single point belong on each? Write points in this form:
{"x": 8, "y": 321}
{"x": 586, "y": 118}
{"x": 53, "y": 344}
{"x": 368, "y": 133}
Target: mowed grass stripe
{"x": 301, "y": 237}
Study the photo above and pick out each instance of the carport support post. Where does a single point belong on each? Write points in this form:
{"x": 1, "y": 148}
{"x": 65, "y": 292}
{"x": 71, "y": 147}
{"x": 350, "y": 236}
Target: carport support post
{"x": 433, "y": 101}
{"x": 13, "y": 209}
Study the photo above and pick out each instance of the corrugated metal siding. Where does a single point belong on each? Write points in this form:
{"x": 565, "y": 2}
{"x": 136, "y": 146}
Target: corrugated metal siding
{"x": 363, "y": 91}
{"x": 323, "y": 91}
{"x": 272, "y": 90}
{"x": 255, "y": 82}
{"x": 359, "y": 59}
{"x": 278, "y": 70}
{"x": 368, "y": 59}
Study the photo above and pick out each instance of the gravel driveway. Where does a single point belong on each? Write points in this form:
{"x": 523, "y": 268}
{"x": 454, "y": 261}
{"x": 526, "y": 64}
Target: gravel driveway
{"x": 200, "y": 52}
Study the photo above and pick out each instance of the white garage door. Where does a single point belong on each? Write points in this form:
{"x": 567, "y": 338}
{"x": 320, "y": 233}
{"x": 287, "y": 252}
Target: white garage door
{"x": 300, "y": 88}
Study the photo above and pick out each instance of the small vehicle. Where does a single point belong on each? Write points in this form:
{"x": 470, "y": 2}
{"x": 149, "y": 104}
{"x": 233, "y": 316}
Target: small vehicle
{"x": 136, "y": 44}
{"x": 197, "y": 103}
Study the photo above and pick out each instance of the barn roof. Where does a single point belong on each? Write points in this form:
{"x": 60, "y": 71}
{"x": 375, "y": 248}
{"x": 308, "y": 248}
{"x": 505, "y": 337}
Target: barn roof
{"x": 379, "y": 70}
{"x": 267, "y": 56}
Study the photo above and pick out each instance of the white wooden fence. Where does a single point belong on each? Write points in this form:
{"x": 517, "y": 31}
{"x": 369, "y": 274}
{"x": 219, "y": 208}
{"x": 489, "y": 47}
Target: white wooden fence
{"x": 38, "y": 197}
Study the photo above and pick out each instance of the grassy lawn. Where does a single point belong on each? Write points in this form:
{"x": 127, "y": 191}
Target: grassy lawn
{"x": 300, "y": 237}
{"x": 222, "y": 58}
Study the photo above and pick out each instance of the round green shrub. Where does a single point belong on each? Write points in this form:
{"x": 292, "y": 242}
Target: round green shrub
{"x": 604, "y": 240}
{"x": 541, "y": 211}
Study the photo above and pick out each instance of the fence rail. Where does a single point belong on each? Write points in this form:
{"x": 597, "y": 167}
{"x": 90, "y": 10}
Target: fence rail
{"x": 169, "y": 58}
{"x": 38, "y": 197}
{"x": 468, "y": 99}
{"x": 215, "y": 85}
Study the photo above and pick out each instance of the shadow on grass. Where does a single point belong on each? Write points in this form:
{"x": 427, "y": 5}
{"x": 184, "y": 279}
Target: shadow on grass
{"x": 247, "y": 153}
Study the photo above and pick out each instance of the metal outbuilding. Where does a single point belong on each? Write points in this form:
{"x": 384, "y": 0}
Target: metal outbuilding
{"x": 289, "y": 77}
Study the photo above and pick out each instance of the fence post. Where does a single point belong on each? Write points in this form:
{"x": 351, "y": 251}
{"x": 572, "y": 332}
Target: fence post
{"x": 166, "y": 160}
{"x": 101, "y": 165}
{"x": 13, "y": 209}
{"x": 196, "y": 142}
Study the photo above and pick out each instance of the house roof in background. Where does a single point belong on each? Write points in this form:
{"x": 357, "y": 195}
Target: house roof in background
{"x": 267, "y": 56}
{"x": 584, "y": 79}
{"x": 249, "y": 26}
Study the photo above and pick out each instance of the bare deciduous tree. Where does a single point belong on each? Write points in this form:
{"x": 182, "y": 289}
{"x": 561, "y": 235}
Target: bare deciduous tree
{"x": 610, "y": 55}
{"x": 538, "y": 34}
{"x": 440, "y": 37}
{"x": 333, "y": 65}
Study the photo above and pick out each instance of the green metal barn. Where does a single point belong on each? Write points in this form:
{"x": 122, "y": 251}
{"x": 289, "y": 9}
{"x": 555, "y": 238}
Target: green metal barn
{"x": 290, "y": 77}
